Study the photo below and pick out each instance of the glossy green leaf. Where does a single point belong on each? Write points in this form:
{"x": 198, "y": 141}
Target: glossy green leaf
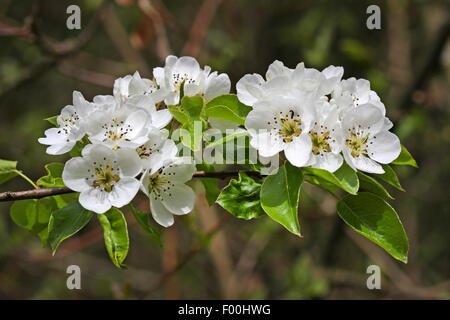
{"x": 368, "y": 183}
{"x": 53, "y": 177}
{"x": 115, "y": 233}
{"x": 34, "y": 215}
{"x": 375, "y": 219}
{"x": 390, "y": 177}
{"x": 242, "y": 198}
{"x": 280, "y": 194}
{"x": 7, "y": 170}
{"x": 227, "y": 107}
{"x": 142, "y": 217}
{"x": 345, "y": 177}
{"x": 65, "y": 222}
{"x": 211, "y": 189}
{"x": 405, "y": 158}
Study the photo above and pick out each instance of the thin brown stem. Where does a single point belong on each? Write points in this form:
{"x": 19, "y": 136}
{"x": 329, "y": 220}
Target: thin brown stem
{"x": 46, "y": 192}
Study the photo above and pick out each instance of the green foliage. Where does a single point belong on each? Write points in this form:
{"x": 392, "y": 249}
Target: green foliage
{"x": 405, "y": 158}
{"x": 368, "y": 183}
{"x": 227, "y": 107}
{"x": 7, "y": 170}
{"x": 279, "y": 196}
{"x": 142, "y": 217}
{"x": 65, "y": 222}
{"x": 53, "y": 177}
{"x": 115, "y": 233}
{"x": 242, "y": 197}
{"x": 390, "y": 177}
{"x": 345, "y": 177}
{"x": 375, "y": 219}
{"x": 52, "y": 120}
{"x": 190, "y": 110}
{"x": 33, "y": 215}
{"x": 211, "y": 189}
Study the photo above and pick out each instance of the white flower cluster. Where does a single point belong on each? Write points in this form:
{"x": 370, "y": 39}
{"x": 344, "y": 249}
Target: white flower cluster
{"x": 315, "y": 118}
{"x": 128, "y": 138}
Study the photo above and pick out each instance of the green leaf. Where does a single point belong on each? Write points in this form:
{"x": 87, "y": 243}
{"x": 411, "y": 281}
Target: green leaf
{"x": 242, "y": 198}
{"x": 65, "y": 222}
{"x": 34, "y": 215}
{"x": 345, "y": 177}
{"x": 390, "y": 177}
{"x": 228, "y": 107}
{"x": 211, "y": 189}
{"x": 53, "y": 177}
{"x": 370, "y": 184}
{"x": 375, "y": 219}
{"x": 279, "y": 196}
{"x": 115, "y": 233}
{"x": 405, "y": 158}
{"x": 190, "y": 111}
{"x": 142, "y": 217}
{"x": 53, "y": 120}
{"x": 7, "y": 170}
{"x": 63, "y": 200}
{"x": 77, "y": 148}
{"x": 224, "y": 140}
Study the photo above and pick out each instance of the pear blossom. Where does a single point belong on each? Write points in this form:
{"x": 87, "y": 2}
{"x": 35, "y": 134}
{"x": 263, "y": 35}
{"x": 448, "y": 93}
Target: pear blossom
{"x": 252, "y": 88}
{"x": 366, "y": 142}
{"x": 186, "y": 72}
{"x": 165, "y": 186}
{"x": 70, "y": 128}
{"x": 119, "y": 126}
{"x": 355, "y": 92}
{"x": 326, "y": 137}
{"x": 103, "y": 177}
{"x": 157, "y": 149}
{"x": 282, "y": 125}
{"x": 134, "y": 85}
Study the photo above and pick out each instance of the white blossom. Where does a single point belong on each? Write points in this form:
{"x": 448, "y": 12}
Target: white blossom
{"x": 282, "y": 125}
{"x": 366, "y": 140}
{"x": 71, "y": 126}
{"x": 186, "y": 72}
{"x": 165, "y": 185}
{"x": 103, "y": 177}
{"x": 326, "y": 138}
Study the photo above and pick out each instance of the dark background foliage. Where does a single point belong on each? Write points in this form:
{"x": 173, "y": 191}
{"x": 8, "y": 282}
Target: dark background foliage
{"x": 407, "y": 62}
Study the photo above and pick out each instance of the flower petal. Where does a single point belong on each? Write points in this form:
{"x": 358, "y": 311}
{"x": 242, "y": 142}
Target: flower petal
{"x": 129, "y": 162}
{"x": 217, "y": 85}
{"x": 95, "y": 200}
{"x": 123, "y": 191}
{"x": 181, "y": 199}
{"x": 75, "y": 173}
{"x": 298, "y": 151}
{"x": 159, "y": 212}
{"x": 385, "y": 148}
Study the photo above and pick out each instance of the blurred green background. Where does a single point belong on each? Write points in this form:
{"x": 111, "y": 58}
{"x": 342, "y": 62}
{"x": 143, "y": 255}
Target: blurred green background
{"x": 407, "y": 63}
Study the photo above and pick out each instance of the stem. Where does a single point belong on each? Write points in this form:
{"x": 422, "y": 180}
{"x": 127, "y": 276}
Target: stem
{"x": 20, "y": 173}
{"x": 46, "y": 192}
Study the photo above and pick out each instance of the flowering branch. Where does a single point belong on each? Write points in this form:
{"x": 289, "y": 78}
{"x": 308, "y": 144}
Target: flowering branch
{"x": 47, "y": 192}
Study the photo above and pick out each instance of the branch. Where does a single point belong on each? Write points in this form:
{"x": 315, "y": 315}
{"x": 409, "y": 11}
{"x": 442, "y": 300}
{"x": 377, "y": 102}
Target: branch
{"x": 200, "y": 27}
{"x": 56, "y": 51}
{"x": 46, "y": 192}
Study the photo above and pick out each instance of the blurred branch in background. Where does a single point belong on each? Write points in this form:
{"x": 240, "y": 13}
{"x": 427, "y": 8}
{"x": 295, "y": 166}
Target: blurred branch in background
{"x": 200, "y": 27}
{"x": 56, "y": 51}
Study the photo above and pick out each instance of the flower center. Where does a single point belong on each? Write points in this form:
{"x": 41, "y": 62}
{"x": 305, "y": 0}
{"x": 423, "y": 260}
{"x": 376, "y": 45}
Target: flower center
{"x": 180, "y": 80}
{"x": 105, "y": 178}
{"x": 290, "y": 126}
{"x": 357, "y": 143}
{"x": 320, "y": 142}
{"x": 116, "y": 130}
